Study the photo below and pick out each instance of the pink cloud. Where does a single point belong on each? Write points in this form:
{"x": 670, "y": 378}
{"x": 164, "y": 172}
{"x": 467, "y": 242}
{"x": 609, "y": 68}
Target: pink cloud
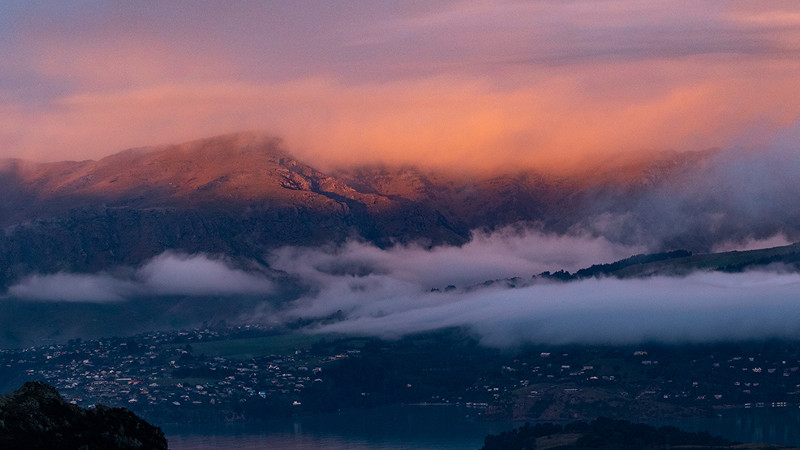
{"x": 473, "y": 85}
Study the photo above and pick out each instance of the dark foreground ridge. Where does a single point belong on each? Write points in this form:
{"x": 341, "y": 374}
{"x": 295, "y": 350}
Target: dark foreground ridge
{"x": 604, "y": 433}
{"x": 35, "y": 416}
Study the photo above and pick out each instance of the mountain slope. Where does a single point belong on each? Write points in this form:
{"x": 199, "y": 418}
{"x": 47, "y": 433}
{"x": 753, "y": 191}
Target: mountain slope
{"x": 244, "y": 194}
{"x": 237, "y": 194}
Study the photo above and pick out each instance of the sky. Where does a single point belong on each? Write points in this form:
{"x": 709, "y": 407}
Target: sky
{"x": 465, "y": 84}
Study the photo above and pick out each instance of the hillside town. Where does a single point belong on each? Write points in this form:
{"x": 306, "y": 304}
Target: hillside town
{"x": 250, "y": 373}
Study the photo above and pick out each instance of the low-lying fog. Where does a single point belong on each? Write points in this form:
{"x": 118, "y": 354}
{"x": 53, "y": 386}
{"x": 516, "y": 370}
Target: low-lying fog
{"x": 392, "y": 292}
{"x": 390, "y": 295}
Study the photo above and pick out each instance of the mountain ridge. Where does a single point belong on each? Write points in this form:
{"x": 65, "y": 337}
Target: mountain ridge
{"x": 244, "y": 194}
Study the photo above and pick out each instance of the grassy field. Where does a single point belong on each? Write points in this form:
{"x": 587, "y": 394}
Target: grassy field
{"x": 256, "y": 347}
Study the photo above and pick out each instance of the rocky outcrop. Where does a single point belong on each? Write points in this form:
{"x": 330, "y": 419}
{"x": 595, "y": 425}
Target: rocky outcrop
{"x": 36, "y": 417}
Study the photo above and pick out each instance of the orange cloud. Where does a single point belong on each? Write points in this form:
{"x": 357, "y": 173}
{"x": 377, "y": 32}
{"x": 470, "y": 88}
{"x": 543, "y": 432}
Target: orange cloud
{"x": 554, "y": 88}
{"x": 561, "y": 120}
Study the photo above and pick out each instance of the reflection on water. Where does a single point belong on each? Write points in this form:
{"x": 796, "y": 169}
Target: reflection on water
{"x": 442, "y": 427}
{"x": 274, "y": 441}
{"x": 768, "y": 425}
{"x": 393, "y": 427}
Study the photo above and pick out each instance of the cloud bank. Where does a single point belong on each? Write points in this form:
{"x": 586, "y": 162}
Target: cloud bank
{"x": 508, "y": 252}
{"x": 393, "y": 292}
{"x": 166, "y": 274}
{"x": 735, "y": 199}
{"x": 703, "y": 307}
{"x": 387, "y": 293}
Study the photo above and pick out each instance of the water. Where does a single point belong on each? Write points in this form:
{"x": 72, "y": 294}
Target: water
{"x": 767, "y": 425}
{"x": 390, "y": 427}
{"x": 442, "y": 427}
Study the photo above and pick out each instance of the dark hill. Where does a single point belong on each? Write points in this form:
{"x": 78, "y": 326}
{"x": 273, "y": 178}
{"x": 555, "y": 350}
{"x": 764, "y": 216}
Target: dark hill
{"x": 609, "y": 434}
{"x": 683, "y": 263}
{"x": 673, "y": 263}
{"x": 36, "y": 417}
